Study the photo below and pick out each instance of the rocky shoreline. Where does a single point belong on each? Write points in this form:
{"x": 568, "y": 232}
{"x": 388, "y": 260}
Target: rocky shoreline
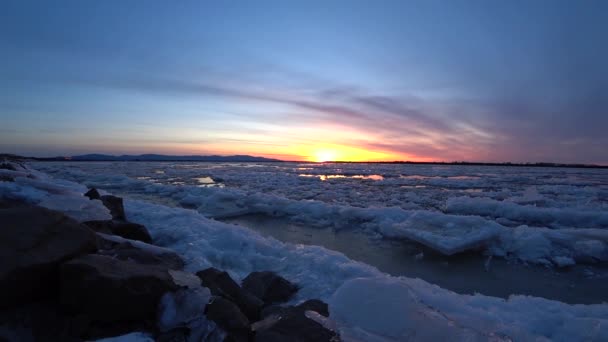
{"x": 61, "y": 280}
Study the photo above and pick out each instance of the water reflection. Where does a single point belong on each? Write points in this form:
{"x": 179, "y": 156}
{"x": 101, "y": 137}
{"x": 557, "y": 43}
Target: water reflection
{"x": 413, "y": 186}
{"x": 328, "y": 177}
{"x": 205, "y": 180}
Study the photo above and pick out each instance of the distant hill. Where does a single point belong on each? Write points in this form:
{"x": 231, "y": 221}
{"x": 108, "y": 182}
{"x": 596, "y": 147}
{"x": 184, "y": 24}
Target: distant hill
{"x": 160, "y": 157}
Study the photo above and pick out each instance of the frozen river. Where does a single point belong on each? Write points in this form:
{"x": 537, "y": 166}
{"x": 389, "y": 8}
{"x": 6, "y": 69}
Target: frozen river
{"x": 466, "y": 228}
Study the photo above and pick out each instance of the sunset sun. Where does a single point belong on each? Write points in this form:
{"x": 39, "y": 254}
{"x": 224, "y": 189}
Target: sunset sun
{"x": 325, "y": 155}
{"x": 333, "y": 152}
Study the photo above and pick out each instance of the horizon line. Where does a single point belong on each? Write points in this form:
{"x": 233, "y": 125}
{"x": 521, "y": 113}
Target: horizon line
{"x": 436, "y": 162}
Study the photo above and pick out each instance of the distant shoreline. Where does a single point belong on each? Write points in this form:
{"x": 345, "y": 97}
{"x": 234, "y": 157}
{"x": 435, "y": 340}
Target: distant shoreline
{"x": 540, "y": 164}
{"x": 252, "y": 159}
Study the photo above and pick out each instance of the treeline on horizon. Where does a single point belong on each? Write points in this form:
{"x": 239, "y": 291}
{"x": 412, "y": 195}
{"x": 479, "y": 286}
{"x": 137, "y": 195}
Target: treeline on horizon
{"x": 247, "y": 158}
{"x": 536, "y": 164}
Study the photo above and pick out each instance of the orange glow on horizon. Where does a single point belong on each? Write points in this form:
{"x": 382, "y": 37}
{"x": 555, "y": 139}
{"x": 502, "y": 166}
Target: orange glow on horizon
{"x": 332, "y": 152}
{"x": 319, "y": 152}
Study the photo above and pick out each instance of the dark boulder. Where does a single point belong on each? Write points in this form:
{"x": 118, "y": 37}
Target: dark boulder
{"x": 115, "y": 205}
{"x": 12, "y": 202}
{"x": 221, "y": 284}
{"x": 8, "y": 166}
{"x": 315, "y": 305}
{"x": 100, "y": 226}
{"x": 133, "y": 231}
{"x": 34, "y": 241}
{"x": 269, "y": 287}
{"x": 42, "y": 322}
{"x": 93, "y": 194}
{"x": 229, "y": 317}
{"x": 127, "y": 230}
{"x": 6, "y": 178}
{"x": 176, "y": 335}
{"x": 108, "y": 289}
{"x": 274, "y": 310}
{"x": 293, "y": 325}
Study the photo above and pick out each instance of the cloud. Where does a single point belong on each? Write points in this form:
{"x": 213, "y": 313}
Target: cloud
{"x": 451, "y": 129}
{"x": 509, "y": 127}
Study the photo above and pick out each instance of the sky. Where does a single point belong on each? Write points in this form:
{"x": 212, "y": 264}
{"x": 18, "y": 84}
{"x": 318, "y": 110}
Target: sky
{"x": 519, "y": 81}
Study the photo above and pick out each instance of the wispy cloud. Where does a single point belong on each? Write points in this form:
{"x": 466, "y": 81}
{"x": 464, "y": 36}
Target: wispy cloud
{"x": 451, "y": 129}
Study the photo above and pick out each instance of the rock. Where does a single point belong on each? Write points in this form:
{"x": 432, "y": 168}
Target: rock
{"x": 11, "y": 203}
{"x": 114, "y": 204}
{"x": 293, "y": 325}
{"x": 315, "y": 305}
{"x": 132, "y": 231}
{"x": 127, "y": 230}
{"x": 274, "y": 310}
{"x": 312, "y": 304}
{"x": 227, "y": 316}
{"x": 45, "y": 321}
{"x": 8, "y": 166}
{"x": 177, "y": 335}
{"x": 100, "y": 226}
{"x": 269, "y": 287}
{"x": 93, "y": 194}
{"x": 6, "y": 178}
{"x": 41, "y": 321}
{"x": 106, "y": 330}
{"x": 137, "y": 251}
{"x": 221, "y": 284}
{"x": 108, "y": 289}
{"x": 34, "y": 241}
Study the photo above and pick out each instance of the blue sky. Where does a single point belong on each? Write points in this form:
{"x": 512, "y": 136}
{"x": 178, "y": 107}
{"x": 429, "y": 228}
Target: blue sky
{"x": 381, "y": 80}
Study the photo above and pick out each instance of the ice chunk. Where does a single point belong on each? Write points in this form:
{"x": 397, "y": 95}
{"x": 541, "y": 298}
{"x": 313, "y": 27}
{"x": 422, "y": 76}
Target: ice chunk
{"x": 563, "y": 261}
{"x": 132, "y": 337}
{"x": 406, "y": 309}
{"x": 185, "y": 279}
{"x": 77, "y": 207}
{"x": 448, "y": 234}
{"x": 56, "y": 195}
{"x": 182, "y": 308}
{"x": 541, "y": 245}
{"x": 152, "y": 249}
{"x": 387, "y": 307}
{"x": 185, "y": 308}
{"x": 528, "y": 214}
